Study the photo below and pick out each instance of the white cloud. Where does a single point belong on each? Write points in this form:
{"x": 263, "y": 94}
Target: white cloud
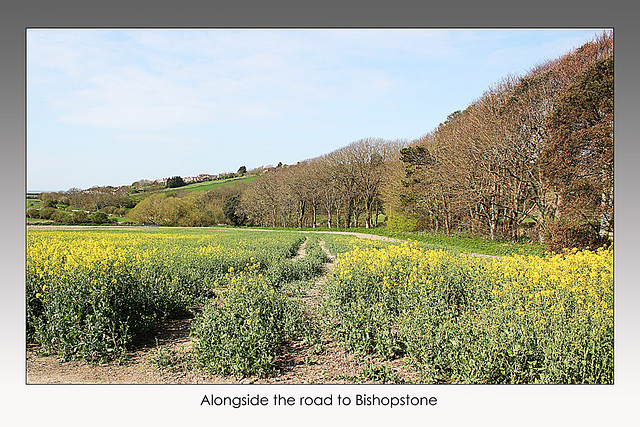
{"x": 146, "y": 80}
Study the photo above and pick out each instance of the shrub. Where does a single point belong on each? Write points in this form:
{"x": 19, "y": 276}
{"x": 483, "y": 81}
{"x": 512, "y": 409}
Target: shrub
{"x": 99, "y": 218}
{"x": 47, "y": 212}
{"x": 114, "y": 210}
{"x": 61, "y": 217}
{"x": 400, "y": 221}
{"x": 79, "y": 217}
{"x": 33, "y": 213}
{"x": 232, "y": 211}
{"x": 109, "y": 210}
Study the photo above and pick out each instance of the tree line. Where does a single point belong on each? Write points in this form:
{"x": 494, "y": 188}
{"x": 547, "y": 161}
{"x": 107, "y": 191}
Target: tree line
{"x": 531, "y": 158}
{"x": 534, "y": 154}
{"x": 344, "y": 187}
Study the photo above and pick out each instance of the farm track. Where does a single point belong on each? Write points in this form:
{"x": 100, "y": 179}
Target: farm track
{"x": 334, "y": 365}
{"x": 298, "y": 364}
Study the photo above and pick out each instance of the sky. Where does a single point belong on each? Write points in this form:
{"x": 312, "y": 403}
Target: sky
{"x": 114, "y": 106}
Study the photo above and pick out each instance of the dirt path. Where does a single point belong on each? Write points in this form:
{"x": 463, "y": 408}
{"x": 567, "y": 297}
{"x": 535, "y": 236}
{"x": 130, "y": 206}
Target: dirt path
{"x": 301, "y": 250}
{"x": 165, "y": 358}
{"x": 348, "y": 233}
{"x": 334, "y": 365}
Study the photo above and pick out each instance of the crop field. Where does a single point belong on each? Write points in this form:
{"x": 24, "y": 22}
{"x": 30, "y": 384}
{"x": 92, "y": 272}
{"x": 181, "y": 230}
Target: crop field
{"x": 93, "y": 294}
{"x": 464, "y": 319}
{"x": 90, "y": 293}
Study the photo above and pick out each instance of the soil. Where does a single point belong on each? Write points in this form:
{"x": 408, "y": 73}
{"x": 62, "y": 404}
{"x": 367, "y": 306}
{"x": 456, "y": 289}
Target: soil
{"x": 165, "y": 358}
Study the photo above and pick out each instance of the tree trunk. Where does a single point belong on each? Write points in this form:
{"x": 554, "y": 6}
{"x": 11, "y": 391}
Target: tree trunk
{"x": 301, "y": 207}
{"x": 375, "y": 218}
{"x": 315, "y": 215}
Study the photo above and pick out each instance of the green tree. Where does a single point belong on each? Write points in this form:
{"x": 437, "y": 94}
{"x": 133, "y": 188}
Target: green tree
{"x": 61, "y": 217}
{"x": 232, "y": 210}
{"x": 149, "y": 210}
{"x": 45, "y": 213}
{"x": 175, "y": 182}
{"x": 99, "y": 218}
{"x": 197, "y": 211}
{"x": 79, "y": 217}
{"x": 33, "y": 213}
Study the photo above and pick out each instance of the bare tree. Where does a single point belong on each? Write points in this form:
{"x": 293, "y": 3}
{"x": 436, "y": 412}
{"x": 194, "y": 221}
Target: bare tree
{"x": 263, "y": 200}
{"x": 327, "y": 187}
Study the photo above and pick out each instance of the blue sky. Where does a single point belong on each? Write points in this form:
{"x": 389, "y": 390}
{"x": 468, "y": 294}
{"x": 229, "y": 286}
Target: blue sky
{"x": 110, "y": 107}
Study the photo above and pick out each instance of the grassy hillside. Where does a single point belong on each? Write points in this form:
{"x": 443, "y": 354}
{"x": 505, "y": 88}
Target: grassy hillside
{"x": 210, "y": 185}
{"x": 198, "y": 186}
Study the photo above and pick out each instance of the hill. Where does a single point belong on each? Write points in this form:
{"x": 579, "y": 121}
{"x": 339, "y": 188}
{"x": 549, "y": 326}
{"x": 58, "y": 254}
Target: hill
{"x": 210, "y": 185}
{"x": 105, "y": 205}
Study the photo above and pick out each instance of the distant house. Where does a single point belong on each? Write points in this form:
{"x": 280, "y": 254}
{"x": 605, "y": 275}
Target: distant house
{"x": 205, "y": 177}
{"x": 121, "y": 190}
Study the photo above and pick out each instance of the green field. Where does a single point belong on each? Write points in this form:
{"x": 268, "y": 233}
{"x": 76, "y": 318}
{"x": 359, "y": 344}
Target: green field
{"x": 210, "y": 185}
{"x": 453, "y": 243}
{"x": 34, "y": 203}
